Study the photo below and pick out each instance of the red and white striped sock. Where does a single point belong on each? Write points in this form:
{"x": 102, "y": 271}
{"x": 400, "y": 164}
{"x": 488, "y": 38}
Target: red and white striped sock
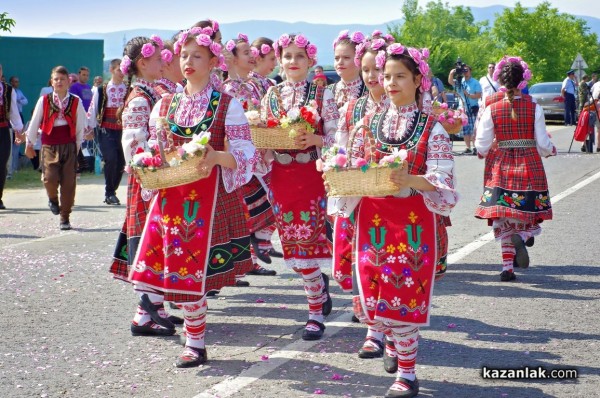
{"x": 390, "y": 349}
{"x": 508, "y": 254}
{"x": 406, "y": 340}
{"x": 313, "y": 286}
{"x": 194, "y": 317}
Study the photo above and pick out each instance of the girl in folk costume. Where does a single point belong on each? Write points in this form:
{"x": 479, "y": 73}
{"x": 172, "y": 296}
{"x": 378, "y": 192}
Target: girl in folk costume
{"x": 216, "y": 75}
{"x": 351, "y": 115}
{"x": 351, "y": 85}
{"x": 265, "y": 63}
{"x": 399, "y": 239}
{"x": 107, "y": 100}
{"x": 261, "y": 220}
{"x": 297, "y": 192}
{"x": 142, "y": 63}
{"x": 170, "y": 83}
{"x": 62, "y": 119}
{"x": 196, "y": 239}
{"x": 512, "y": 137}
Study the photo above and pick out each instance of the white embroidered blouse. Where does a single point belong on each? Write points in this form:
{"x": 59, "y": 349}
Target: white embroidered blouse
{"x": 191, "y": 111}
{"x": 115, "y": 98}
{"x": 135, "y": 118}
{"x": 343, "y": 129}
{"x": 344, "y": 92}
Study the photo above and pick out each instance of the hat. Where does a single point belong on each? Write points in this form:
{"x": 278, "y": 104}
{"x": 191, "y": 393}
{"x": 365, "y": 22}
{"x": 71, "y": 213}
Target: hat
{"x": 570, "y": 72}
{"x": 320, "y": 76}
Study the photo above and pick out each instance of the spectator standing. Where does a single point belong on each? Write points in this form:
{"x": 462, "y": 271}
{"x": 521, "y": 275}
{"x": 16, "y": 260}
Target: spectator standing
{"x": 438, "y": 92}
{"x": 584, "y": 91}
{"x": 488, "y": 85}
{"x": 83, "y": 90}
{"x": 9, "y": 117}
{"x": 21, "y": 102}
{"x": 568, "y": 90}
{"x": 469, "y": 90}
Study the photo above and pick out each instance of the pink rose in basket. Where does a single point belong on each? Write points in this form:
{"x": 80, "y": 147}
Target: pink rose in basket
{"x": 442, "y": 118}
{"x": 360, "y": 162}
{"x": 340, "y": 160}
{"x": 444, "y": 106}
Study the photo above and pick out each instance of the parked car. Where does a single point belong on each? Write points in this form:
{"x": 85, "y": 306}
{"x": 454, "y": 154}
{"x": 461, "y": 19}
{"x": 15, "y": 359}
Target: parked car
{"x": 549, "y": 98}
{"x": 451, "y": 100}
{"x": 332, "y": 76}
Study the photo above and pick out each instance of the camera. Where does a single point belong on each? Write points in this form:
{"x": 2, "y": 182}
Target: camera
{"x": 459, "y": 69}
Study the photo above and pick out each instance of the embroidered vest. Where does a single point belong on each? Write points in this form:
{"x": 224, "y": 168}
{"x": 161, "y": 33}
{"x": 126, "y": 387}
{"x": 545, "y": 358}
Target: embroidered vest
{"x": 51, "y": 113}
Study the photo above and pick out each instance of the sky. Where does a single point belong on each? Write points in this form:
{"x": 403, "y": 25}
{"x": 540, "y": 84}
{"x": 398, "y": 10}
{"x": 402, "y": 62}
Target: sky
{"x": 41, "y": 18}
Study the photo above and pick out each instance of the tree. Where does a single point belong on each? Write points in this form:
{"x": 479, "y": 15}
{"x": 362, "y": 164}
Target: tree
{"x": 6, "y": 23}
{"x": 548, "y": 40}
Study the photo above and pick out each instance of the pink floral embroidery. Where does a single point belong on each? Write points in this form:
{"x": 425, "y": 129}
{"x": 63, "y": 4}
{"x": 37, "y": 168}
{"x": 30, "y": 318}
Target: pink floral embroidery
{"x": 239, "y": 132}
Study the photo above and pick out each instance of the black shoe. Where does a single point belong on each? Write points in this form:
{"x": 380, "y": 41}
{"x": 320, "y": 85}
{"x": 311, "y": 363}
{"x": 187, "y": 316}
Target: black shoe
{"x": 53, "y": 207}
{"x": 175, "y": 320}
{"x": 241, "y": 283}
{"x": 583, "y": 148}
{"x": 112, "y": 200}
{"x": 152, "y": 310}
{"x": 529, "y": 242}
{"x": 191, "y": 357}
{"x": 2, "y": 207}
{"x": 327, "y": 305}
{"x": 313, "y": 335}
{"x": 390, "y": 363}
{"x": 263, "y": 255}
{"x": 212, "y": 293}
{"x": 355, "y": 319}
{"x": 413, "y": 390}
{"x": 258, "y": 270}
{"x": 468, "y": 150}
{"x": 475, "y": 151}
{"x": 173, "y": 305}
{"x": 368, "y": 351}
{"x": 148, "y": 330}
{"x": 65, "y": 226}
{"x": 521, "y": 255}
{"x": 276, "y": 254}
{"x": 507, "y": 276}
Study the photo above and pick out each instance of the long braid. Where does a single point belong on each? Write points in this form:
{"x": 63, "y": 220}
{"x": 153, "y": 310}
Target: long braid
{"x": 510, "y": 77}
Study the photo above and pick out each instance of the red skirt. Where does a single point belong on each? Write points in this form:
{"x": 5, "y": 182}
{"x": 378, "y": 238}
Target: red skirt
{"x": 300, "y": 207}
{"x": 258, "y": 211}
{"x": 343, "y": 254}
{"x": 396, "y": 254}
{"x": 515, "y": 186}
{"x": 196, "y": 240}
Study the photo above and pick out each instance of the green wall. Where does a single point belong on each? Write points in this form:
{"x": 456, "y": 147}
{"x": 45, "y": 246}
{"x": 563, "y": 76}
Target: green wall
{"x": 32, "y": 59}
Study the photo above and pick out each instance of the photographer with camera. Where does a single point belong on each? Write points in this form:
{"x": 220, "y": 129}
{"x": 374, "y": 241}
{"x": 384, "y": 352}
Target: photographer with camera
{"x": 469, "y": 92}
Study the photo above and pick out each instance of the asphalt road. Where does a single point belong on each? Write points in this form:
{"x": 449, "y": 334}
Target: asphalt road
{"x": 65, "y": 322}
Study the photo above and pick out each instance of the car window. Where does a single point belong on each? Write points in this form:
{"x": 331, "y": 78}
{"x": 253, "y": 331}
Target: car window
{"x": 545, "y": 88}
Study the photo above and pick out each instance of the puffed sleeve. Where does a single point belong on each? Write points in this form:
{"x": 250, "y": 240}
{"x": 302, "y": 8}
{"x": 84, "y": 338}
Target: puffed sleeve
{"x": 330, "y": 116}
{"x": 36, "y": 121}
{"x": 545, "y": 147}
{"x": 136, "y": 117}
{"x": 343, "y": 130}
{"x": 440, "y": 173}
{"x": 152, "y": 132}
{"x": 248, "y": 159}
{"x": 485, "y": 133}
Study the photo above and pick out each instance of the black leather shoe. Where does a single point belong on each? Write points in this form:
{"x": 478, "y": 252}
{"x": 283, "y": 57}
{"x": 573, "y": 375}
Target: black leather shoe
{"x": 212, "y": 293}
{"x": 258, "y": 270}
{"x": 368, "y": 351}
{"x": 65, "y": 226}
{"x": 191, "y": 357}
{"x": 175, "y": 320}
{"x": 355, "y": 319}
{"x": 530, "y": 242}
{"x": 390, "y": 363}
{"x": 311, "y": 334}
{"x": 327, "y": 305}
{"x": 53, "y": 207}
{"x": 149, "y": 330}
{"x": 241, "y": 283}
{"x": 507, "y": 276}
{"x": 413, "y": 390}
{"x": 152, "y": 310}
{"x": 2, "y": 207}
{"x": 262, "y": 255}
{"x": 521, "y": 254}
{"x": 112, "y": 200}
{"x": 275, "y": 253}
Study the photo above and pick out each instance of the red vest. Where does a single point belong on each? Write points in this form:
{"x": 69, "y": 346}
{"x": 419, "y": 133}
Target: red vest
{"x": 58, "y": 136}
{"x": 505, "y": 127}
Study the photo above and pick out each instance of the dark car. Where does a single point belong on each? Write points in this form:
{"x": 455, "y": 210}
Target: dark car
{"x": 451, "y": 100}
{"x": 331, "y": 75}
{"x": 547, "y": 95}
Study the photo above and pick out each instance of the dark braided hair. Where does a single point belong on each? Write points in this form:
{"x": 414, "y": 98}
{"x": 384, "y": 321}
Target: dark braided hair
{"x": 133, "y": 49}
{"x": 510, "y": 76}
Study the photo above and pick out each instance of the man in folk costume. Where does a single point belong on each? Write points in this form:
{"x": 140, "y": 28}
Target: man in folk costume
{"x": 107, "y": 101}
{"x": 9, "y": 118}
{"x": 513, "y": 139}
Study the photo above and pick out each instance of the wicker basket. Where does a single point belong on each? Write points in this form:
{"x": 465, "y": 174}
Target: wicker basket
{"x": 352, "y": 181}
{"x": 168, "y": 176}
{"x": 452, "y": 128}
{"x": 272, "y": 138}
